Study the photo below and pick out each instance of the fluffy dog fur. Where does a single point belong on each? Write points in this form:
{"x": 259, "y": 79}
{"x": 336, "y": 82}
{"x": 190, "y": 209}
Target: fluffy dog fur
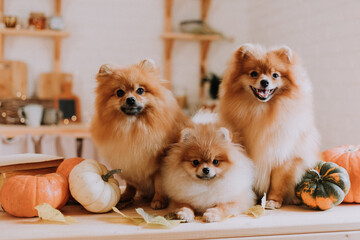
{"x": 136, "y": 118}
{"x": 206, "y": 173}
{"x": 266, "y": 100}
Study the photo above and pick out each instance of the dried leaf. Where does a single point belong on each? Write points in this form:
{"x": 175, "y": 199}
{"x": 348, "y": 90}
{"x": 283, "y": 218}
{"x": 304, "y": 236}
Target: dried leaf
{"x": 47, "y": 212}
{"x": 136, "y": 220}
{"x": 171, "y": 216}
{"x": 256, "y": 211}
{"x": 157, "y": 220}
{"x": 149, "y": 219}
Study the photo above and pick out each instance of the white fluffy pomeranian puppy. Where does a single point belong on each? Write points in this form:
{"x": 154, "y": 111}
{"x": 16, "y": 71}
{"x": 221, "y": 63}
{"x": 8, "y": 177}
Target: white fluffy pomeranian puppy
{"x": 206, "y": 173}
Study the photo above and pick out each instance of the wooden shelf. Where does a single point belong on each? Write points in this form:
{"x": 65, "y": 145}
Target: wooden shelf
{"x": 56, "y": 35}
{"x": 34, "y": 33}
{"x": 191, "y": 37}
{"x": 76, "y": 130}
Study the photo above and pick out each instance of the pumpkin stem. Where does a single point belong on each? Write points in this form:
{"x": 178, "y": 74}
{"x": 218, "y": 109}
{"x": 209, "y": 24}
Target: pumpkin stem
{"x": 110, "y": 173}
{"x": 318, "y": 176}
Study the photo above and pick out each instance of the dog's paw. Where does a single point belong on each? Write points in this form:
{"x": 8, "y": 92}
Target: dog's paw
{"x": 272, "y": 204}
{"x": 212, "y": 215}
{"x": 158, "y": 204}
{"x": 185, "y": 214}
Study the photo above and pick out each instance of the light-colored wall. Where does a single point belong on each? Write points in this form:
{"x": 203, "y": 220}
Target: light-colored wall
{"x": 123, "y": 32}
{"x": 325, "y": 33}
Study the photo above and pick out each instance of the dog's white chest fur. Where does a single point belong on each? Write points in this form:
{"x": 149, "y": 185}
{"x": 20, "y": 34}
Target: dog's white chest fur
{"x": 270, "y": 142}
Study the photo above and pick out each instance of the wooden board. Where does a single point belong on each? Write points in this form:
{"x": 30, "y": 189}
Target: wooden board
{"x": 13, "y": 79}
{"x": 27, "y": 161}
{"x": 49, "y": 86}
{"x": 75, "y": 130}
{"x": 290, "y": 222}
{"x": 40, "y": 171}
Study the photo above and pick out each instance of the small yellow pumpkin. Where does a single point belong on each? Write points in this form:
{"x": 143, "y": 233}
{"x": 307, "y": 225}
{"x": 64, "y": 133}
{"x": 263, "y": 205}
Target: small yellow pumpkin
{"x": 94, "y": 187}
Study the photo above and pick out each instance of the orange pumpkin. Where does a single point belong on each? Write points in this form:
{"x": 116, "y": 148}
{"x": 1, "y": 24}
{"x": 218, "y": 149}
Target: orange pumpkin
{"x": 20, "y": 194}
{"x": 67, "y": 165}
{"x": 348, "y": 157}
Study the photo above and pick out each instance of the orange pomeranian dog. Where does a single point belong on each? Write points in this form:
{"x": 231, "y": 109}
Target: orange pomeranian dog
{"x": 266, "y": 100}
{"x": 208, "y": 174}
{"x": 136, "y": 118}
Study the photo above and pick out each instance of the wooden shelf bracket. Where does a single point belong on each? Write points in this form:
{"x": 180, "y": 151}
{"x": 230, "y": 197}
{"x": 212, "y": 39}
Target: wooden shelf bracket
{"x": 57, "y": 54}
{"x": 168, "y": 46}
{"x": 204, "y": 50}
{"x": 2, "y": 38}
{"x": 169, "y": 37}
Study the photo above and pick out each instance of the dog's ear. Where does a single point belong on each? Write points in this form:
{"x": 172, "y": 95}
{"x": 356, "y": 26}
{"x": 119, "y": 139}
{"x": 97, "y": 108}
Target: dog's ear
{"x": 148, "y": 64}
{"x": 185, "y": 134}
{"x": 224, "y": 132}
{"x": 105, "y": 69}
{"x": 285, "y": 53}
{"x": 246, "y": 51}
{"x": 104, "y": 72}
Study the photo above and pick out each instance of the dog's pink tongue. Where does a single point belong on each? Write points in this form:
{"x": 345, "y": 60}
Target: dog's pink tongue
{"x": 264, "y": 93}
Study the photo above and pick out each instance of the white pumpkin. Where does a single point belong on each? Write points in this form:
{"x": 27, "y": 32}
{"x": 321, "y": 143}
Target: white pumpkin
{"x": 94, "y": 187}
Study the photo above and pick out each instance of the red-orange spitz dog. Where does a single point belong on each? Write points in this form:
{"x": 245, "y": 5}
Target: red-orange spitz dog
{"x": 266, "y": 100}
{"x": 136, "y": 118}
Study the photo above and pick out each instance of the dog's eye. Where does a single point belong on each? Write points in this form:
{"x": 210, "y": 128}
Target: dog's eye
{"x": 195, "y": 162}
{"x": 254, "y": 74}
{"x": 140, "y": 91}
{"x": 120, "y": 93}
{"x": 275, "y": 75}
{"x": 215, "y": 162}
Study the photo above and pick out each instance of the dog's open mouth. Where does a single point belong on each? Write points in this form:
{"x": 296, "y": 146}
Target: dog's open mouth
{"x": 131, "y": 111}
{"x": 205, "y": 177}
{"x": 263, "y": 95}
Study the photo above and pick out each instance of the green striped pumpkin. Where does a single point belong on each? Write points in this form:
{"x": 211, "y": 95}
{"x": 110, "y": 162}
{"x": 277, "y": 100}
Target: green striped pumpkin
{"x": 324, "y": 186}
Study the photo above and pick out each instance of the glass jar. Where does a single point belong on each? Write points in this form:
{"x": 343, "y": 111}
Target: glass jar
{"x": 37, "y": 20}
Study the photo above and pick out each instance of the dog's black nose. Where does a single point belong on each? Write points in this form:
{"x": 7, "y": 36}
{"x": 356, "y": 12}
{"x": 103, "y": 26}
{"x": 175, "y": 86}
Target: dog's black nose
{"x": 130, "y": 101}
{"x": 264, "y": 83}
{"x": 206, "y": 170}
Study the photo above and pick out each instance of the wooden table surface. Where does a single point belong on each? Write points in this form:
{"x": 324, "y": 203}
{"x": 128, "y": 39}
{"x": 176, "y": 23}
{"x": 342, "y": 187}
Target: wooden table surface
{"x": 290, "y": 222}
